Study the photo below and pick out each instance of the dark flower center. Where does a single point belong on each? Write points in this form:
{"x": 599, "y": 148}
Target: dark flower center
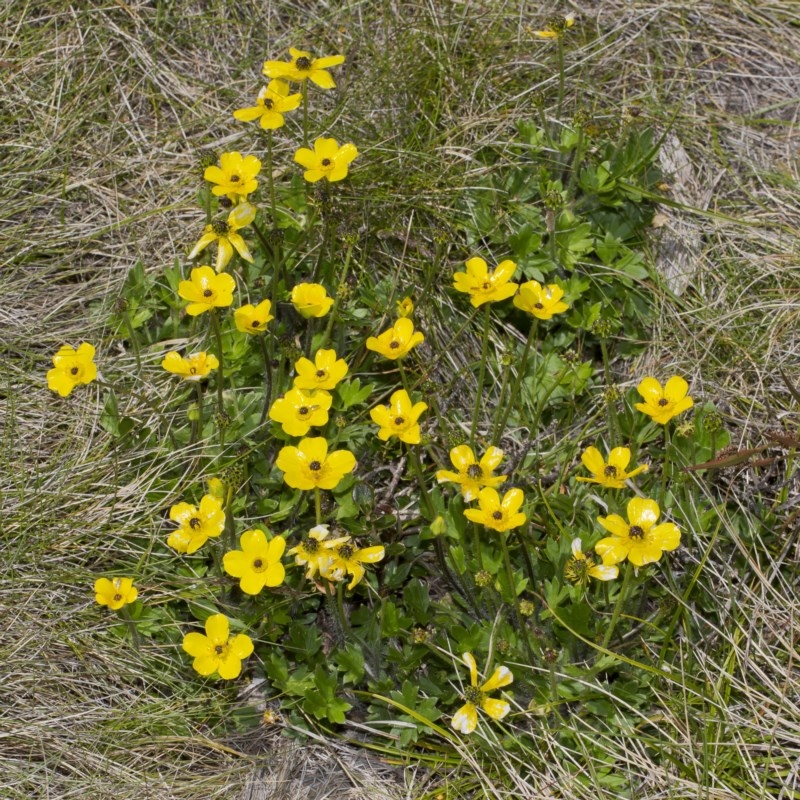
{"x": 303, "y": 63}
{"x": 220, "y": 227}
{"x": 475, "y": 471}
{"x": 663, "y": 401}
{"x": 394, "y": 344}
{"x": 195, "y": 523}
{"x": 218, "y": 649}
{"x": 636, "y": 532}
{"x": 610, "y": 471}
{"x": 193, "y": 370}
{"x": 326, "y": 162}
{"x": 258, "y": 563}
{"x": 74, "y": 371}
{"x": 255, "y": 323}
{"x": 315, "y": 466}
{"x": 486, "y": 286}
{"x": 268, "y": 104}
{"x": 472, "y": 694}
{"x": 311, "y": 545}
{"x": 117, "y": 598}
{"x": 208, "y": 293}
{"x": 235, "y": 178}
{"x": 497, "y": 515}
{"x": 538, "y": 305}
{"x": 399, "y": 421}
{"x": 345, "y": 551}
{"x": 302, "y": 411}
{"x": 321, "y": 373}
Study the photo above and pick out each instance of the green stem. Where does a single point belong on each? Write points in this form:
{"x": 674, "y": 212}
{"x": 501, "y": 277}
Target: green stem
{"x": 621, "y": 598}
{"x": 512, "y": 587}
{"x": 267, "y": 378}
{"x": 305, "y": 113}
{"x": 197, "y": 428}
{"x": 613, "y": 422}
{"x": 270, "y": 181}
{"x": 500, "y": 424}
{"x": 338, "y": 297}
{"x": 666, "y": 467}
{"x": 220, "y": 373}
{"x": 317, "y": 505}
{"x": 135, "y": 638}
{"x": 133, "y": 340}
{"x": 560, "y": 52}
{"x": 479, "y": 393}
{"x": 476, "y": 545}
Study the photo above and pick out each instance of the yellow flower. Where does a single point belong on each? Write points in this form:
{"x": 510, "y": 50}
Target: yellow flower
{"x": 258, "y": 563}
{"x": 348, "y": 559}
{"x": 194, "y": 368}
{"x": 253, "y": 319}
{"x": 555, "y": 27}
{"x": 71, "y": 367}
{"x": 217, "y": 651}
{"x": 315, "y": 551}
{"x": 302, "y": 67}
{"x": 197, "y": 525}
{"x": 206, "y": 290}
{"x": 483, "y": 286}
{"x": 611, "y": 475}
{"x": 301, "y": 409}
{"x": 227, "y": 236}
{"x": 473, "y": 475}
{"x": 540, "y": 301}
{"x": 235, "y": 176}
{"x": 664, "y": 404}
{"x": 310, "y": 466}
{"x": 397, "y": 341}
{"x": 327, "y": 160}
{"x": 272, "y": 103}
{"x": 399, "y": 418}
{"x": 465, "y": 720}
{"x": 311, "y": 300}
{"x": 323, "y": 373}
{"x": 639, "y": 540}
{"x": 115, "y": 593}
{"x": 580, "y": 567}
{"x": 500, "y": 515}
{"x": 405, "y": 307}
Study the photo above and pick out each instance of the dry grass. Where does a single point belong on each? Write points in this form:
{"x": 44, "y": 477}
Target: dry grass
{"x": 103, "y": 112}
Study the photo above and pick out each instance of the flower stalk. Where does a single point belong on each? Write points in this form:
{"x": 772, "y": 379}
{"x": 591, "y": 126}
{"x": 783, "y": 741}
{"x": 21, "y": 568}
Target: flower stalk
{"x": 481, "y": 374}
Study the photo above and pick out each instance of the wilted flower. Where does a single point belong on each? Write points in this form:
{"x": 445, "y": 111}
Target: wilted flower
{"x": 465, "y": 720}
{"x": 272, "y": 103}
{"x": 499, "y": 515}
{"x": 405, "y": 307}
{"x": 71, "y": 367}
{"x": 664, "y": 404}
{"x": 310, "y": 466}
{"x": 639, "y": 540}
{"x": 227, "y": 236}
{"x": 349, "y": 559}
{"x": 217, "y": 651}
{"x": 540, "y": 301}
{"x": 194, "y": 368}
{"x": 311, "y": 300}
{"x": 611, "y": 475}
{"x": 301, "y": 409}
{"x": 196, "y": 524}
{"x": 206, "y": 290}
{"x": 399, "y": 418}
{"x": 396, "y": 342}
{"x": 473, "y": 475}
{"x": 302, "y": 67}
{"x": 258, "y": 563}
{"x": 323, "y": 373}
{"x": 556, "y": 26}
{"x": 327, "y": 160}
{"x": 315, "y": 550}
{"x": 235, "y": 176}
{"x": 253, "y": 319}
{"x": 115, "y": 593}
{"x": 581, "y": 567}
{"x": 483, "y": 286}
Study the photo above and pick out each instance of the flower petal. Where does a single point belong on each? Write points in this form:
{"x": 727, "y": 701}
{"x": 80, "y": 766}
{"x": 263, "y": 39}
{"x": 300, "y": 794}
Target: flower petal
{"x": 676, "y": 389}
{"x": 643, "y": 512}
{"x": 614, "y": 524}
{"x": 650, "y": 389}
{"x": 465, "y": 720}
{"x": 593, "y": 460}
{"x": 496, "y": 709}
{"x": 500, "y": 677}
{"x": 217, "y": 628}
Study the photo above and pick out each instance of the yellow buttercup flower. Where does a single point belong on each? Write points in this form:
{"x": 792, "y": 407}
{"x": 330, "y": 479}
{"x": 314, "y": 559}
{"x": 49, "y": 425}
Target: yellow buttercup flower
{"x": 272, "y": 103}
{"x": 612, "y": 475}
{"x": 227, "y": 236}
{"x": 349, "y": 559}
{"x": 327, "y": 160}
{"x": 324, "y": 372}
{"x": 206, "y": 290}
{"x": 556, "y": 26}
{"x": 483, "y": 286}
{"x": 310, "y": 466}
{"x": 197, "y": 524}
{"x": 115, "y": 593}
{"x": 258, "y": 563}
{"x": 473, "y": 475}
{"x": 301, "y": 409}
{"x": 218, "y": 651}
{"x": 399, "y": 418}
{"x": 639, "y": 540}
{"x": 253, "y": 319}
{"x": 664, "y": 404}
{"x": 465, "y": 720}
{"x": 235, "y": 176}
{"x": 580, "y": 567}
{"x": 540, "y": 301}
{"x": 398, "y": 341}
{"x": 311, "y": 300}
{"x": 72, "y": 367}
{"x": 303, "y": 67}
{"x": 314, "y": 552}
{"x": 194, "y": 368}
{"x": 499, "y": 515}
{"x": 405, "y": 307}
